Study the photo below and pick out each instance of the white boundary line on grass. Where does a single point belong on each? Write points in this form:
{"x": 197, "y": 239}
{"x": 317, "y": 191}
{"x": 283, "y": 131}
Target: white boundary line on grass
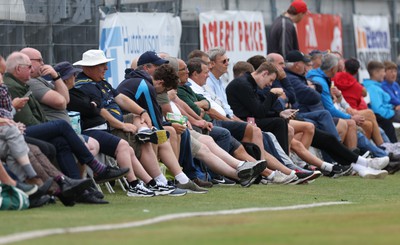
{"x": 17, "y": 237}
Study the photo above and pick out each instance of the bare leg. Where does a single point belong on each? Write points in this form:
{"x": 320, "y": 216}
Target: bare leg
{"x": 174, "y": 139}
{"x": 341, "y": 127}
{"x": 351, "y": 136}
{"x": 304, "y": 154}
{"x": 93, "y": 146}
{"x": 307, "y": 129}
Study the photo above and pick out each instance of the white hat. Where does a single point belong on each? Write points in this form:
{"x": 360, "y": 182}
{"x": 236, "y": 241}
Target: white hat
{"x": 93, "y": 57}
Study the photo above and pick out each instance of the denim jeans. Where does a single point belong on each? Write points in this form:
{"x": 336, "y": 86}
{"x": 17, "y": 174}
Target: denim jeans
{"x": 67, "y": 143}
{"x": 190, "y": 168}
{"x": 364, "y": 144}
{"x": 322, "y": 119}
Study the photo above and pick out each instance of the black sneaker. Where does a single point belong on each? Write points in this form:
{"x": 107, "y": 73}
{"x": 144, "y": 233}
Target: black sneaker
{"x": 27, "y": 188}
{"x": 339, "y": 170}
{"x": 153, "y": 136}
{"x": 221, "y": 180}
{"x": 392, "y": 167}
{"x": 160, "y": 189}
{"x": 139, "y": 191}
{"x": 110, "y": 173}
{"x": 69, "y": 187}
{"x": 305, "y": 177}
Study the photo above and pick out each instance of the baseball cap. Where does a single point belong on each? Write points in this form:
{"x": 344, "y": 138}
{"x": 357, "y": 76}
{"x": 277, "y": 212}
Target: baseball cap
{"x": 316, "y": 51}
{"x": 300, "y": 6}
{"x": 151, "y": 57}
{"x": 296, "y": 56}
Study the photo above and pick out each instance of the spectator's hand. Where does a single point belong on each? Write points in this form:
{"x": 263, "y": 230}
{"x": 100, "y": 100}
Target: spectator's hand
{"x": 397, "y": 108}
{"x": 281, "y": 73}
{"x": 48, "y": 70}
{"x": 359, "y": 119}
{"x": 335, "y": 91}
{"x": 277, "y": 91}
{"x": 179, "y": 128}
{"x": 19, "y": 103}
{"x": 129, "y": 127}
{"x": 145, "y": 118}
{"x": 288, "y": 114}
{"x": 6, "y": 121}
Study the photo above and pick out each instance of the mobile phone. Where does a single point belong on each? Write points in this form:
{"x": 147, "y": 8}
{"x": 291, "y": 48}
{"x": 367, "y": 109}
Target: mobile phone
{"x": 27, "y": 94}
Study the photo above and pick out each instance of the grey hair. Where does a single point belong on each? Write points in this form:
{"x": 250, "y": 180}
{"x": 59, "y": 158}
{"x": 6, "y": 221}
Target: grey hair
{"x": 329, "y": 61}
{"x": 269, "y": 58}
{"x": 173, "y": 62}
{"x": 289, "y": 65}
{"x": 214, "y": 52}
{"x": 15, "y": 59}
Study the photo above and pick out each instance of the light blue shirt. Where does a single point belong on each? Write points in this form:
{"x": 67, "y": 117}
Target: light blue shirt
{"x": 216, "y": 89}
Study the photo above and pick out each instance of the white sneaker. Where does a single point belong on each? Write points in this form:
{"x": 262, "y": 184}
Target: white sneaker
{"x": 378, "y": 162}
{"x": 279, "y": 178}
{"x": 370, "y": 173}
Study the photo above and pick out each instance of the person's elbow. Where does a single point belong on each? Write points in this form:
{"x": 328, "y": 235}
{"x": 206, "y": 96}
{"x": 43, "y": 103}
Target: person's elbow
{"x": 59, "y": 104}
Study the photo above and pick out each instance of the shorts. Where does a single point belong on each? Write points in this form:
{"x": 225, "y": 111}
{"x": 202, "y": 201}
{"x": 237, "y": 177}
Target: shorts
{"x": 194, "y": 142}
{"x": 236, "y": 128}
{"x": 108, "y": 142}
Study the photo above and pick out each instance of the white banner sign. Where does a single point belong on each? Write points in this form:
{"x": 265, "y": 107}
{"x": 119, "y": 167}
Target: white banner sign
{"x": 241, "y": 33}
{"x": 372, "y": 40}
{"x": 125, "y": 36}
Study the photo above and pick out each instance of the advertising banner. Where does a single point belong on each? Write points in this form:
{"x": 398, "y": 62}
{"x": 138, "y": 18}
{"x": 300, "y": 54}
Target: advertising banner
{"x": 372, "y": 37}
{"x": 125, "y": 36}
{"x": 241, "y": 33}
{"x": 321, "y": 32}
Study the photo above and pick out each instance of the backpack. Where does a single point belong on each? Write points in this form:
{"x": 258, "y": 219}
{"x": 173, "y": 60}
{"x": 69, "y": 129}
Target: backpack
{"x": 11, "y": 198}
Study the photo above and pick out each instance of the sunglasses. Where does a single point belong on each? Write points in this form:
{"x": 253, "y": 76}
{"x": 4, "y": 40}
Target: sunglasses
{"x": 225, "y": 61}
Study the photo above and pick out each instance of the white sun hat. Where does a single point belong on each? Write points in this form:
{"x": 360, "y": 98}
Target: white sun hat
{"x": 93, "y": 57}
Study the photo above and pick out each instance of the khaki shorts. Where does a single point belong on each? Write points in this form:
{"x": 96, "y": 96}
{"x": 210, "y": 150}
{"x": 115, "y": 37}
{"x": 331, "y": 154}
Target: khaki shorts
{"x": 194, "y": 142}
{"x": 130, "y": 137}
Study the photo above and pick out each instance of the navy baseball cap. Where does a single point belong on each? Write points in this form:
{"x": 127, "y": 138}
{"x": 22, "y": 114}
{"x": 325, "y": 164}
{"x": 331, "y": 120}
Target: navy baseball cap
{"x": 151, "y": 57}
{"x": 296, "y": 56}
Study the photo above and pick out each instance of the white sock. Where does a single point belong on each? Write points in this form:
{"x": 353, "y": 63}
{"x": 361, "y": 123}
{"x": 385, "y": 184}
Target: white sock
{"x": 161, "y": 179}
{"x": 362, "y": 161}
{"x": 240, "y": 163}
{"x": 327, "y": 166}
{"x": 182, "y": 178}
{"x": 271, "y": 176}
{"x": 143, "y": 129}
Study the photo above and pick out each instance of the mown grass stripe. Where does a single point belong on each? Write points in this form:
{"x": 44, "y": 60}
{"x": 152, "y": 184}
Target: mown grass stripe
{"x": 22, "y": 236}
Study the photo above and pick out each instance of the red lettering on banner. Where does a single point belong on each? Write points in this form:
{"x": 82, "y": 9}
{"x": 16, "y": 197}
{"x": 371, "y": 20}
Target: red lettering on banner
{"x": 260, "y": 36}
{"x": 250, "y": 36}
{"x": 205, "y": 37}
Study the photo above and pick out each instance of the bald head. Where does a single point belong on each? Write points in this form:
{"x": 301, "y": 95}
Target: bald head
{"x": 276, "y": 59}
{"x": 36, "y": 58}
{"x": 19, "y": 65}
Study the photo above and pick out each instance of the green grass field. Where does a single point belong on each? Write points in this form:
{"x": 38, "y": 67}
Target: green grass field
{"x": 373, "y": 217}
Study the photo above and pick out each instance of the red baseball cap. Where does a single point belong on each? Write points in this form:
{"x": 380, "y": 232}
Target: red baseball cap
{"x": 300, "y": 6}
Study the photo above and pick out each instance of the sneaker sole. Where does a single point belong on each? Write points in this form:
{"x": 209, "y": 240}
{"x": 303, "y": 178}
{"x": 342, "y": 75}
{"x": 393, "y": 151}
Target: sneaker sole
{"x": 306, "y": 179}
{"x": 254, "y": 171}
{"x": 162, "y": 193}
{"x": 138, "y": 195}
{"x": 381, "y": 175}
{"x": 177, "y": 195}
{"x": 220, "y": 182}
{"x": 31, "y": 191}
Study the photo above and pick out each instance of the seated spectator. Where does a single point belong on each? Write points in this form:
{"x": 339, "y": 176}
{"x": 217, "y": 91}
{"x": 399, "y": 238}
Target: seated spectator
{"x": 380, "y": 100}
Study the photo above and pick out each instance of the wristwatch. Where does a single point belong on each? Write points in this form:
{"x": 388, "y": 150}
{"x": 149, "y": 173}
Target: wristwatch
{"x": 144, "y": 111}
{"x": 57, "y": 77}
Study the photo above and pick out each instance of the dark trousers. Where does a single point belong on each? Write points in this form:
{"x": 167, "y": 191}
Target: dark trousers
{"x": 329, "y": 143}
{"x": 67, "y": 143}
{"x": 387, "y": 126}
{"x": 279, "y": 127}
